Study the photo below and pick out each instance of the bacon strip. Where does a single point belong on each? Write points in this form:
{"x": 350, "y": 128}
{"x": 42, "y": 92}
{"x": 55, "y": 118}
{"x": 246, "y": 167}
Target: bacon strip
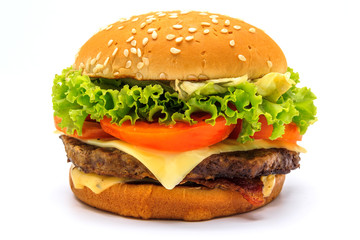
{"x": 250, "y": 189}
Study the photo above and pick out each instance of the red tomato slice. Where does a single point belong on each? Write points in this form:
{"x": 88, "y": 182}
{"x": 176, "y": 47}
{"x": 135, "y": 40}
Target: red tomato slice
{"x": 90, "y": 130}
{"x": 266, "y": 129}
{"x": 292, "y": 133}
{"x": 175, "y": 138}
{"x": 235, "y": 133}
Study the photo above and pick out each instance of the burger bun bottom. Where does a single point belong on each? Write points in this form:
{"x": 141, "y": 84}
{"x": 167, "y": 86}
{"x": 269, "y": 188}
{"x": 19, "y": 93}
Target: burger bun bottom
{"x": 149, "y": 201}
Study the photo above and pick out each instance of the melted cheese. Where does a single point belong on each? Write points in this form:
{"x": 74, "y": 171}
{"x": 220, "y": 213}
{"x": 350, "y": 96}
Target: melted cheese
{"x": 269, "y": 183}
{"x": 96, "y": 183}
{"x": 170, "y": 168}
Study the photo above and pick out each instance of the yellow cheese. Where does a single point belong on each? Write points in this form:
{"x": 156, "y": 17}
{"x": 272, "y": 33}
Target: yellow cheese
{"x": 99, "y": 183}
{"x": 269, "y": 183}
{"x": 96, "y": 183}
{"x": 170, "y": 168}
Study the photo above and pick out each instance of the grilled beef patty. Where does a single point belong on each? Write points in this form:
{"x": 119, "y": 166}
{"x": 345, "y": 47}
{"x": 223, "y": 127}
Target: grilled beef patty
{"x": 241, "y": 164}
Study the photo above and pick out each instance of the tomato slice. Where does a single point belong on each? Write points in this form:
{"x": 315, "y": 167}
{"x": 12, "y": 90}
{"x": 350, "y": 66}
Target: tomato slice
{"x": 175, "y": 138}
{"x": 266, "y": 129}
{"x": 90, "y": 130}
{"x": 292, "y": 133}
{"x": 235, "y": 133}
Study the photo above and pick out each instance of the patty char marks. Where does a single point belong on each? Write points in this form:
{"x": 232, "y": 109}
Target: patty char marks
{"x": 247, "y": 164}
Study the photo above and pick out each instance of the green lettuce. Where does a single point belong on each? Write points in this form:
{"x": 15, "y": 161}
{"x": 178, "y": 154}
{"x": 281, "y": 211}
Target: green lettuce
{"x": 76, "y": 96}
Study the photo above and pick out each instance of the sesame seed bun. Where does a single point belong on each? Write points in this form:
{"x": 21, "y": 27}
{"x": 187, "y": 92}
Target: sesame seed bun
{"x": 178, "y": 45}
{"x": 149, "y": 201}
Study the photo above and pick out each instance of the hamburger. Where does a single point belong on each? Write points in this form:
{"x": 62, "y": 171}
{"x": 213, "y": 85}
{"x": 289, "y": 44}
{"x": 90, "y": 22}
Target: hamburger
{"x": 180, "y": 115}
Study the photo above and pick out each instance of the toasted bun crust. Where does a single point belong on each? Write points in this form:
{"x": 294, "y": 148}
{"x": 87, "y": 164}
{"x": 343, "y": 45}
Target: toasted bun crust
{"x": 151, "y": 201}
{"x": 177, "y": 45}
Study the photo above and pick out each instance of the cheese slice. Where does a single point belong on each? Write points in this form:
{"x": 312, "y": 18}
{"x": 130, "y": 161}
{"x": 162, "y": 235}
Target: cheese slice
{"x": 170, "y": 168}
{"x": 269, "y": 183}
{"x": 96, "y": 183}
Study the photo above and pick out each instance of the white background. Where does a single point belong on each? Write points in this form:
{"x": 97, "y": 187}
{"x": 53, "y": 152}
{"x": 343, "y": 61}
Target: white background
{"x": 40, "y": 38}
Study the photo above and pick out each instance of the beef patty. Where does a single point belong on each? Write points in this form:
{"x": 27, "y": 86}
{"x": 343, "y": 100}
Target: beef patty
{"x": 240, "y": 164}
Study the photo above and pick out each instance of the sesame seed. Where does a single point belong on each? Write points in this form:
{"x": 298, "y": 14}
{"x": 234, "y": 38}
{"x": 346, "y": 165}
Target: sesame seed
{"x": 214, "y": 20}
{"x": 139, "y": 52}
{"x": 154, "y": 35}
{"x": 203, "y": 13}
{"x": 227, "y": 22}
{"x": 189, "y": 38}
{"x": 110, "y": 42}
{"x": 191, "y": 77}
{"x": 97, "y": 68}
{"x": 173, "y": 16}
{"x": 170, "y": 37}
{"x": 128, "y": 64}
{"x": 139, "y": 75}
{"x": 140, "y": 65}
{"x": 145, "y": 61}
{"x": 203, "y": 77}
{"x": 116, "y": 74}
{"x": 162, "y": 76}
{"x": 151, "y": 30}
{"x": 88, "y": 65}
{"x": 241, "y": 58}
{"x": 179, "y": 39}
{"x": 252, "y": 30}
{"x": 82, "y": 65}
{"x": 184, "y": 12}
{"x": 130, "y": 39}
{"x": 206, "y": 31}
{"x": 93, "y": 61}
{"x": 205, "y": 24}
{"x": 232, "y": 43}
{"x": 121, "y": 27}
{"x": 133, "y": 43}
{"x": 237, "y": 27}
{"x": 150, "y": 16}
{"x": 161, "y": 14}
{"x": 224, "y": 30}
{"x": 109, "y": 27}
{"x": 133, "y": 31}
{"x": 142, "y": 25}
{"x": 98, "y": 56}
{"x": 106, "y": 61}
{"x": 145, "y": 41}
{"x": 192, "y": 30}
{"x": 106, "y": 71}
{"x": 126, "y": 52}
{"x": 213, "y": 16}
{"x": 177, "y": 26}
{"x": 269, "y": 63}
{"x": 114, "y": 52}
{"x": 135, "y": 19}
{"x": 123, "y": 19}
{"x": 133, "y": 50}
{"x": 175, "y": 50}
{"x": 149, "y": 20}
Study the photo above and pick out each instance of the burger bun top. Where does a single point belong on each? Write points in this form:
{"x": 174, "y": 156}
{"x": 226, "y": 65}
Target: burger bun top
{"x": 180, "y": 45}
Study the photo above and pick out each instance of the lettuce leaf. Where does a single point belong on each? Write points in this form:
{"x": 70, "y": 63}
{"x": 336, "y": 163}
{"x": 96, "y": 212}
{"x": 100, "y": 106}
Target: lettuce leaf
{"x": 75, "y": 96}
